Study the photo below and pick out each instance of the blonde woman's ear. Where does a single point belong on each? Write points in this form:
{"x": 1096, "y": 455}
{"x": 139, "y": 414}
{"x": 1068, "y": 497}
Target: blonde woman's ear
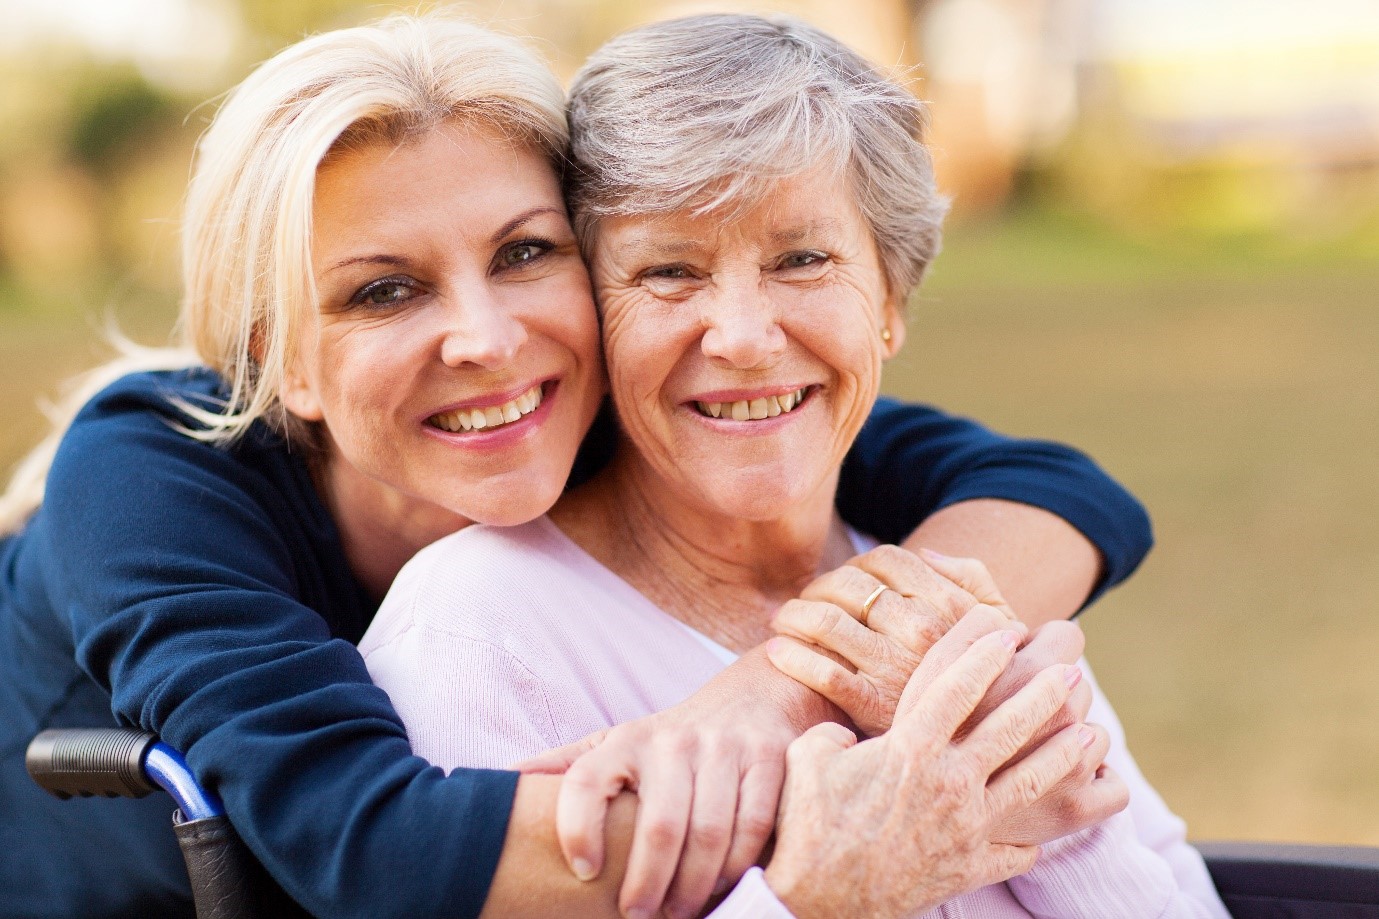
{"x": 298, "y": 396}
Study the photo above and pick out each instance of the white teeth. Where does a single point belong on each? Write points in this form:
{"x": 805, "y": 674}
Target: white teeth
{"x": 755, "y": 409}
{"x": 477, "y": 419}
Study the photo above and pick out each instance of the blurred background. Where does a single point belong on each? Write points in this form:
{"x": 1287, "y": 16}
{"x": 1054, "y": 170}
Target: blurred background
{"x": 1164, "y": 249}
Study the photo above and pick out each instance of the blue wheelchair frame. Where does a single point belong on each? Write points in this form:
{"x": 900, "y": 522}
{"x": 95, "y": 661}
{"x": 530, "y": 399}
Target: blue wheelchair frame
{"x": 1256, "y": 880}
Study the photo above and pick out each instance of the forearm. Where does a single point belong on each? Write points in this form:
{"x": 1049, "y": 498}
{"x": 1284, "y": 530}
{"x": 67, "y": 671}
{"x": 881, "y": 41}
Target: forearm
{"x": 532, "y": 878}
{"x": 1044, "y": 567}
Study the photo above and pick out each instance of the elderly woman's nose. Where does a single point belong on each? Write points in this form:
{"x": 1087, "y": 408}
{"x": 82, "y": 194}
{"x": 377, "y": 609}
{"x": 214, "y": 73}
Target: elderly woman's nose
{"x": 478, "y": 330}
{"x": 741, "y": 328}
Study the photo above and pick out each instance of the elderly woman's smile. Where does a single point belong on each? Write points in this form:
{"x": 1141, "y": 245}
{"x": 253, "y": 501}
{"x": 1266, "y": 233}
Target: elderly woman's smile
{"x": 745, "y": 354}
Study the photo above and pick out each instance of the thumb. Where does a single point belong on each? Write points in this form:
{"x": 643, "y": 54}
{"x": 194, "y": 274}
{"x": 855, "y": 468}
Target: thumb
{"x": 559, "y": 760}
{"x": 819, "y": 741}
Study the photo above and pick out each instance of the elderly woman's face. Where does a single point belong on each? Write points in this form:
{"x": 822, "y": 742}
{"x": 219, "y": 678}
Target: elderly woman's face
{"x": 744, "y": 356}
{"x": 455, "y": 356}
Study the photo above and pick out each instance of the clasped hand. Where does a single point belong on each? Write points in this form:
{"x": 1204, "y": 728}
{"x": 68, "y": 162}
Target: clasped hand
{"x": 709, "y": 772}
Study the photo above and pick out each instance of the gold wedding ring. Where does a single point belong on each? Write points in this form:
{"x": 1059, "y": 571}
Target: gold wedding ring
{"x": 870, "y": 602}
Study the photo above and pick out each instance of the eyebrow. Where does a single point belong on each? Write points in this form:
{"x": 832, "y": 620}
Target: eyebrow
{"x": 520, "y": 219}
{"x": 827, "y": 225}
{"x": 402, "y": 261}
{"x": 646, "y": 249}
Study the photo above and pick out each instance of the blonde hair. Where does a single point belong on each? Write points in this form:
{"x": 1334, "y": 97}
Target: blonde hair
{"x": 246, "y": 229}
{"x": 709, "y": 112}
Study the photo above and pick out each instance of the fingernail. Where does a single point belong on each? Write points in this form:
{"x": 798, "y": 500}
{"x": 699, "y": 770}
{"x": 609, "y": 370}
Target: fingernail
{"x": 1072, "y": 676}
{"x": 1086, "y": 735}
{"x": 582, "y": 869}
{"x": 1011, "y": 639}
{"x": 930, "y": 553}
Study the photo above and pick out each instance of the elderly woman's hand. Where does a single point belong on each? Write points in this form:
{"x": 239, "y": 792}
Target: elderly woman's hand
{"x": 862, "y": 669}
{"x": 901, "y": 823}
{"x": 876, "y": 617}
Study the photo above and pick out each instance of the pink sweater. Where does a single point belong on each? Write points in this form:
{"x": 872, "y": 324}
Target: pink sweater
{"x": 499, "y": 643}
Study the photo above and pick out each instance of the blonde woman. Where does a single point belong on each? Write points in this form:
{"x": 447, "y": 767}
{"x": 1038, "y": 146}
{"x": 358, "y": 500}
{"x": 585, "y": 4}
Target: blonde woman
{"x": 366, "y": 367}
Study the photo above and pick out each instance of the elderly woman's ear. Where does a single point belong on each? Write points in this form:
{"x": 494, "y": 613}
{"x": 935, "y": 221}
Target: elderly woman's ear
{"x": 893, "y": 328}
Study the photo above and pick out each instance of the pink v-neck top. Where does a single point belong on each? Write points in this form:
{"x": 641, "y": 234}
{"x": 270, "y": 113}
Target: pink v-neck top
{"x": 496, "y": 644}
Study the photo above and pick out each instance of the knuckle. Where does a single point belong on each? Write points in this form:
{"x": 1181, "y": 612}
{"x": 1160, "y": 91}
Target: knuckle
{"x": 661, "y": 832}
{"x": 710, "y": 834}
{"x": 954, "y": 602}
{"x": 756, "y": 824}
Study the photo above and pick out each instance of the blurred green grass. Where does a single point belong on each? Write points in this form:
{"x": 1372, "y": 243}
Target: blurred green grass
{"x": 1233, "y": 385}
{"x": 1235, "y": 388}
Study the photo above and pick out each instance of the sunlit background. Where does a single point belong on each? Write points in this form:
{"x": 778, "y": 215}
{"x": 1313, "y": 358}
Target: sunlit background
{"x": 1164, "y": 249}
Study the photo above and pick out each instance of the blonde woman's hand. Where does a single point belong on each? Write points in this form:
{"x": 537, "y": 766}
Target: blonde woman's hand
{"x": 707, "y": 773}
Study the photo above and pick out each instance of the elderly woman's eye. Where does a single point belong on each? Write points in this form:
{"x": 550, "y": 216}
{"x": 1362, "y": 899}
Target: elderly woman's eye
{"x": 802, "y": 259}
{"x": 520, "y": 253}
{"x": 385, "y": 292}
{"x": 667, "y": 272}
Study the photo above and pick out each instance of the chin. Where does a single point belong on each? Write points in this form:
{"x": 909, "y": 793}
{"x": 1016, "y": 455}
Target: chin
{"x": 513, "y": 504}
{"x": 757, "y": 500}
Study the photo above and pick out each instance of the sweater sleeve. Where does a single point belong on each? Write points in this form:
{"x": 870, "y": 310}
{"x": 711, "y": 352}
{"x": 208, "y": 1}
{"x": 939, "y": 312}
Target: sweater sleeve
{"x": 173, "y": 570}
{"x": 911, "y": 460}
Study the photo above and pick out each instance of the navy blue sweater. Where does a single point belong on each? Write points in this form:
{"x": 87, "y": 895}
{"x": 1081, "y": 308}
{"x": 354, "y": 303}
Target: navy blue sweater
{"x": 202, "y": 593}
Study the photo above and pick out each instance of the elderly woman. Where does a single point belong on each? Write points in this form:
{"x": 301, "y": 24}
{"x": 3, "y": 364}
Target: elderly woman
{"x": 389, "y": 334}
{"x": 756, "y": 204}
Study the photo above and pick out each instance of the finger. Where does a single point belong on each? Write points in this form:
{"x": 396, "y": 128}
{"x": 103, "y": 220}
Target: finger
{"x": 980, "y": 620}
{"x": 845, "y": 689}
{"x": 1028, "y": 780}
{"x": 1106, "y": 796}
{"x": 557, "y": 761}
{"x": 664, "y": 797}
{"x": 1057, "y": 642}
{"x": 712, "y": 814}
{"x": 819, "y": 741}
{"x": 758, "y": 798}
{"x": 911, "y": 576}
{"x": 829, "y": 626}
{"x": 581, "y": 807}
{"x": 1019, "y": 719}
{"x": 971, "y": 575}
{"x": 1004, "y": 862}
{"x": 938, "y": 709}
{"x": 914, "y": 620}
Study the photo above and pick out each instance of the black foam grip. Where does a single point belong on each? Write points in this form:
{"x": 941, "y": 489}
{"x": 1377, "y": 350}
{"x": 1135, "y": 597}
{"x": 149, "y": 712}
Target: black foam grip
{"x": 224, "y": 876}
{"x": 90, "y": 761}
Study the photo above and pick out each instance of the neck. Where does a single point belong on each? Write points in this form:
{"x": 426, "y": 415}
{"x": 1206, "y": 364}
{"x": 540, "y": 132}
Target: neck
{"x": 720, "y": 574}
{"x": 380, "y": 528}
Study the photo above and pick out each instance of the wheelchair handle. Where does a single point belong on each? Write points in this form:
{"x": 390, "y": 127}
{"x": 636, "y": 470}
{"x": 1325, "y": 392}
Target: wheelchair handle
{"x": 115, "y": 762}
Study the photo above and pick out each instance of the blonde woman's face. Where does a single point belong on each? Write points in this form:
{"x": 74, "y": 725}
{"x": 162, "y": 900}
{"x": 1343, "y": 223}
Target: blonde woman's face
{"x": 454, "y": 358}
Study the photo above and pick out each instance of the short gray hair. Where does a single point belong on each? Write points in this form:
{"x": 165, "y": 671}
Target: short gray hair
{"x": 708, "y": 112}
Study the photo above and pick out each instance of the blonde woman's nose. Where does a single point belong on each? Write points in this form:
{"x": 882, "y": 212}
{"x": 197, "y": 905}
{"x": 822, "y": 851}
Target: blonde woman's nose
{"x": 479, "y": 331}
